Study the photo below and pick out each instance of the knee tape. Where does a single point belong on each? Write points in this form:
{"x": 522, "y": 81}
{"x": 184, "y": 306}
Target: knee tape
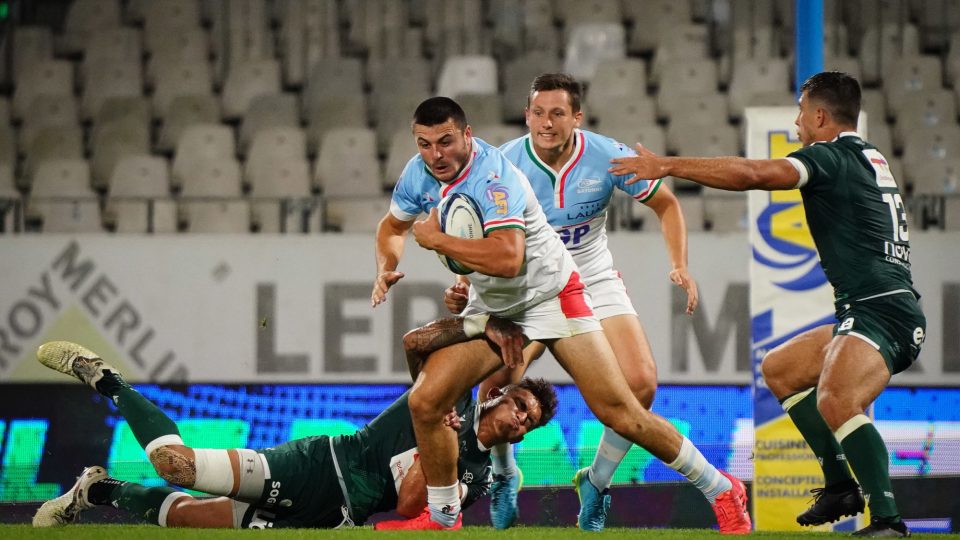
{"x": 215, "y": 474}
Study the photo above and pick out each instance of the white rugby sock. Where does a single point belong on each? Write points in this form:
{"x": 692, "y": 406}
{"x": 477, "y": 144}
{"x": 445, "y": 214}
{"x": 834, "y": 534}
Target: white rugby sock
{"x": 610, "y": 453}
{"x": 444, "y": 504}
{"x": 691, "y": 463}
{"x": 504, "y": 462}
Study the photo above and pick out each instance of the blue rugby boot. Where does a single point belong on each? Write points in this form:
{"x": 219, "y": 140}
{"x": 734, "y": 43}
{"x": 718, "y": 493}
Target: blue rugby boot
{"x": 593, "y": 502}
{"x": 503, "y": 500}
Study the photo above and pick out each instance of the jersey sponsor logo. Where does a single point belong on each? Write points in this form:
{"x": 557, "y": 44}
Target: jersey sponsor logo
{"x": 499, "y": 194}
{"x": 574, "y": 235}
{"x": 881, "y": 168}
{"x": 274, "y": 493}
{"x": 918, "y": 336}
{"x": 589, "y": 185}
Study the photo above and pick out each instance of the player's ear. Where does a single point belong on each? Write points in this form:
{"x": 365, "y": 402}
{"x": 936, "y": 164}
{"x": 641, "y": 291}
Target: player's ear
{"x": 578, "y": 117}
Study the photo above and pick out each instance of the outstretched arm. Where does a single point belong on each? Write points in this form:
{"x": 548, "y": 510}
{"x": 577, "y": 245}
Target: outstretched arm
{"x": 730, "y": 173}
{"x": 419, "y": 343}
{"x": 389, "y": 247}
{"x": 674, "y": 230}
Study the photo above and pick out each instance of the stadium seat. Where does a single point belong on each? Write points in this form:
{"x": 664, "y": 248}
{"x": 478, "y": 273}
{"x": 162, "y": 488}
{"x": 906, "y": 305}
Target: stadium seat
{"x": 724, "y": 211}
{"x": 31, "y": 46}
{"x": 409, "y": 76}
{"x": 678, "y": 46}
{"x": 8, "y": 187}
{"x": 271, "y": 145}
{"x": 59, "y": 142}
{"x": 678, "y": 81}
{"x": 482, "y": 108}
{"x": 280, "y": 195}
{"x": 572, "y": 12}
{"x": 309, "y": 31}
{"x": 624, "y": 78}
{"x": 335, "y": 111}
{"x": 185, "y": 46}
{"x": 50, "y": 77}
{"x": 468, "y": 74}
{"x": 402, "y": 148}
{"x": 273, "y": 110}
{"x": 139, "y": 196}
{"x": 668, "y": 14}
{"x": 217, "y": 217}
{"x": 693, "y": 212}
{"x": 518, "y": 74}
{"x": 347, "y": 164}
{"x": 183, "y": 112}
{"x": 85, "y": 19}
{"x": 212, "y": 177}
{"x": 121, "y": 45}
{"x": 184, "y": 79}
{"x": 61, "y": 197}
{"x": 929, "y": 144}
{"x": 882, "y": 45}
{"x": 397, "y": 113}
{"x": 608, "y": 113}
{"x": 936, "y": 177}
{"x": 846, "y": 64}
{"x": 699, "y": 140}
{"x": 332, "y": 77}
{"x": 247, "y": 80}
{"x": 906, "y": 75}
{"x": 198, "y": 144}
{"x": 752, "y": 77}
{"x": 705, "y": 109}
{"x": 47, "y": 111}
{"x": 355, "y": 215}
{"x": 162, "y": 21}
{"x": 112, "y": 142}
{"x": 589, "y": 44}
{"x": 924, "y": 109}
{"x": 8, "y": 145}
{"x": 110, "y": 79}
{"x": 127, "y": 110}
{"x": 249, "y": 38}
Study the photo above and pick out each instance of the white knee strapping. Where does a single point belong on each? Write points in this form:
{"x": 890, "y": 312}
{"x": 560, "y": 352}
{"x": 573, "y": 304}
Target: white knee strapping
{"x": 164, "y": 440}
{"x": 214, "y": 473}
{"x": 253, "y": 471}
{"x": 165, "y": 507}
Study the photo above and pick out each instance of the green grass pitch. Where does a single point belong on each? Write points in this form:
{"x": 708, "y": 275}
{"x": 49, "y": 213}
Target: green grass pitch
{"x": 144, "y": 532}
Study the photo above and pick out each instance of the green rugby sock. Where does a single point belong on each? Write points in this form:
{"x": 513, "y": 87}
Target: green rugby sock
{"x": 871, "y": 463}
{"x": 144, "y": 502}
{"x": 802, "y": 409}
{"x": 146, "y": 420}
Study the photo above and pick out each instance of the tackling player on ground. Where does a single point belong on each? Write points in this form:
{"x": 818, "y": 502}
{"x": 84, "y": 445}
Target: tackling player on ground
{"x": 522, "y": 273}
{"x": 826, "y": 377}
{"x": 567, "y": 168}
{"x": 322, "y": 482}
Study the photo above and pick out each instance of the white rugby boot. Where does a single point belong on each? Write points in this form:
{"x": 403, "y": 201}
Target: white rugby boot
{"x": 64, "y": 509}
{"x": 74, "y": 360}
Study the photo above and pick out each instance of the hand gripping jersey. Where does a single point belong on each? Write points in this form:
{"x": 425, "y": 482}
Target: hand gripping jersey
{"x": 856, "y": 217}
{"x": 576, "y": 199}
{"x": 374, "y": 460}
{"x": 506, "y": 200}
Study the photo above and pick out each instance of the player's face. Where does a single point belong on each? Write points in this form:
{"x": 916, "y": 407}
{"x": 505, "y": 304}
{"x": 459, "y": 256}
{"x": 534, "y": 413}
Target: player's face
{"x": 806, "y": 121}
{"x": 444, "y": 148}
{"x": 514, "y": 415}
{"x": 551, "y": 119}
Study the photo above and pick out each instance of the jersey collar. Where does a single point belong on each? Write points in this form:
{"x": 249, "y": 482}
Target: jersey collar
{"x": 445, "y": 188}
{"x": 559, "y": 179}
{"x": 847, "y": 134}
{"x": 476, "y": 425}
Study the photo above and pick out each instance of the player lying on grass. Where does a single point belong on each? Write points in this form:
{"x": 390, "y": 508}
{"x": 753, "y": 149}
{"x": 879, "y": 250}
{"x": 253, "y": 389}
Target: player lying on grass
{"x": 320, "y": 481}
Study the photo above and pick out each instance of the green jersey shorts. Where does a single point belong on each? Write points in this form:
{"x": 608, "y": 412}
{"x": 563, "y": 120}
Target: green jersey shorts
{"x": 892, "y": 323}
{"x": 301, "y": 489}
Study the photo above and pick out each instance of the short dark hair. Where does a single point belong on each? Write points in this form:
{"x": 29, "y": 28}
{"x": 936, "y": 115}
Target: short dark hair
{"x": 558, "y": 81}
{"x": 839, "y": 93}
{"x": 437, "y": 110}
{"x": 545, "y": 394}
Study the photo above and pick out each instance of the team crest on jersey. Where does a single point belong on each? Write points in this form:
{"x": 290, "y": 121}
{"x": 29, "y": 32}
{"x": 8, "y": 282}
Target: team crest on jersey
{"x": 427, "y": 198}
{"x": 588, "y": 185}
{"x": 498, "y": 194}
{"x": 467, "y": 477}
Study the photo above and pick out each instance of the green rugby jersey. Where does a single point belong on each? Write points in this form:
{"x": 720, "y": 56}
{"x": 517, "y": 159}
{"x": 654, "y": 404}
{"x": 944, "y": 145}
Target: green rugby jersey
{"x": 374, "y": 460}
{"x": 856, "y": 217}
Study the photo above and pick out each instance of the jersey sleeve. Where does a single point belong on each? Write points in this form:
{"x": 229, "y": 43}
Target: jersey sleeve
{"x": 405, "y": 202}
{"x": 816, "y": 164}
{"x": 640, "y": 190}
{"x": 503, "y": 199}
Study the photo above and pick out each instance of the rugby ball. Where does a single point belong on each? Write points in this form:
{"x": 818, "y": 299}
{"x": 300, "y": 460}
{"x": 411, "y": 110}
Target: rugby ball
{"x": 459, "y": 216}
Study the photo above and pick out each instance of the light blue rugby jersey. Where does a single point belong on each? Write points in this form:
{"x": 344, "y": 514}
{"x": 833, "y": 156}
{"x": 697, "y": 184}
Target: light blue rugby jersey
{"x": 506, "y": 200}
{"x": 575, "y": 200}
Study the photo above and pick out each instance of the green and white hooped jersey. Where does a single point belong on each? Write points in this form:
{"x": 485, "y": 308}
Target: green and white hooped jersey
{"x": 856, "y": 217}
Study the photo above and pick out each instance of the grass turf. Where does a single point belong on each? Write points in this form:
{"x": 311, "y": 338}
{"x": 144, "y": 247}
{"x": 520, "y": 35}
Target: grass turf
{"x": 145, "y": 532}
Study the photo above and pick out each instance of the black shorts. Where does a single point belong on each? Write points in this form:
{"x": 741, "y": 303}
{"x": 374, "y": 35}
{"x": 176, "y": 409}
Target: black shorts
{"x": 892, "y": 324}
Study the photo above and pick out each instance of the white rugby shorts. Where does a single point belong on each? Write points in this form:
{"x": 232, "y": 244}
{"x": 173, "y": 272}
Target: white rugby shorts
{"x": 608, "y": 295}
{"x": 567, "y": 314}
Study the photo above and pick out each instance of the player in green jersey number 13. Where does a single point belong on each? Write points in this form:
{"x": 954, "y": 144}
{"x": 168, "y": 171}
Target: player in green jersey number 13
{"x": 826, "y": 377}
